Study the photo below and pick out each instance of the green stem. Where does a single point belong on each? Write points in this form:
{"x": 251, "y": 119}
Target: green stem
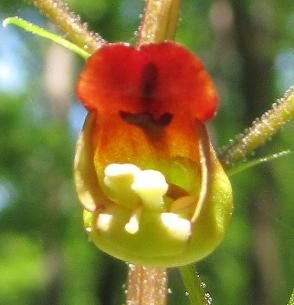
{"x": 240, "y": 167}
{"x": 70, "y": 24}
{"x": 261, "y": 130}
{"x": 45, "y": 34}
{"x": 194, "y": 285}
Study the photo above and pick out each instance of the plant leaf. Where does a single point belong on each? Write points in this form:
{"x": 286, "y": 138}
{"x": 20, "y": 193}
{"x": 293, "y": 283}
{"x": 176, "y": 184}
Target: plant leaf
{"x": 35, "y": 29}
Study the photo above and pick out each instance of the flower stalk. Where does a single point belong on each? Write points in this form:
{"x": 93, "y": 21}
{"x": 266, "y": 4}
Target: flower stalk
{"x": 140, "y": 292}
{"x": 70, "y": 24}
{"x": 148, "y": 285}
{"x": 261, "y": 130}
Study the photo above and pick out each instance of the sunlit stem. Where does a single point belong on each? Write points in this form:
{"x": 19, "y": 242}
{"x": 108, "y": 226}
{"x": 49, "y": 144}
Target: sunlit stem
{"x": 70, "y": 24}
{"x": 261, "y": 130}
{"x": 159, "y": 21}
{"x": 146, "y": 285}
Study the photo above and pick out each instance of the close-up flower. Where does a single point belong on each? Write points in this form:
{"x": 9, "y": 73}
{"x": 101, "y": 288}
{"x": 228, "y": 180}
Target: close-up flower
{"x": 126, "y": 145}
{"x": 152, "y": 188}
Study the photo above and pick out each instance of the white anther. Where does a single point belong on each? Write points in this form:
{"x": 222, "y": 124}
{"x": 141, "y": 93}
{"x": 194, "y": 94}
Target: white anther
{"x": 117, "y": 170}
{"x": 117, "y": 176}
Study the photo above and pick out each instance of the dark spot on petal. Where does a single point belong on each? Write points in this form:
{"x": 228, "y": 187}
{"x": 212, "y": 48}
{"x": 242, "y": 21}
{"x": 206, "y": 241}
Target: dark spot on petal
{"x": 149, "y": 80}
{"x": 164, "y": 119}
{"x": 145, "y": 119}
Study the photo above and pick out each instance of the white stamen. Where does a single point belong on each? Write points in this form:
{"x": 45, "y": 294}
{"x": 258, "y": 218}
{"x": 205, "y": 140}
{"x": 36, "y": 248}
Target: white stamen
{"x": 150, "y": 186}
{"x": 119, "y": 178}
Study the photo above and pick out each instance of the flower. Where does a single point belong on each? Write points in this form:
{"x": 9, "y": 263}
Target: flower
{"x": 152, "y": 188}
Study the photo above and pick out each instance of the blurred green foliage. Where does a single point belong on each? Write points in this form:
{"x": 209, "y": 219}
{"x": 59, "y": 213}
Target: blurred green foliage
{"x": 45, "y": 257}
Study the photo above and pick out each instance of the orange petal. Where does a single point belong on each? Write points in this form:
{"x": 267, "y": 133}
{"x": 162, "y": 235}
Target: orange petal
{"x": 164, "y": 149}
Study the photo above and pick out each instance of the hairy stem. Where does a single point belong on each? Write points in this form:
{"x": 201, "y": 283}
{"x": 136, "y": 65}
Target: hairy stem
{"x": 148, "y": 285}
{"x": 159, "y": 21}
{"x": 261, "y": 130}
{"x": 70, "y": 24}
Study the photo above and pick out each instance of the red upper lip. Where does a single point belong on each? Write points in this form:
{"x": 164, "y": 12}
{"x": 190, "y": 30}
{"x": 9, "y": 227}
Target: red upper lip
{"x": 155, "y": 78}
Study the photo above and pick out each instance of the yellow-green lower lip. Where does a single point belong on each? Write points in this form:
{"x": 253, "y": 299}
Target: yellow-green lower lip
{"x": 147, "y": 233}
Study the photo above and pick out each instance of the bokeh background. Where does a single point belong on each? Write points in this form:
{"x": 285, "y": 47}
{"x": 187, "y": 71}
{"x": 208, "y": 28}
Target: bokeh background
{"x": 45, "y": 258}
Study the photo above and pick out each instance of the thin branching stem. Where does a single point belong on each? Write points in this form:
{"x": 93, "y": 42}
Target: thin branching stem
{"x": 33, "y": 28}
{"x": 70, "y": 24}
{"x": 261, "y": 130}
{"x": 240, "y": 167}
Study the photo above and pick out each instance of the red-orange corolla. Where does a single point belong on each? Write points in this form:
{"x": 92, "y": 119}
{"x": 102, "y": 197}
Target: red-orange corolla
{"x": 152, "y": 188}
